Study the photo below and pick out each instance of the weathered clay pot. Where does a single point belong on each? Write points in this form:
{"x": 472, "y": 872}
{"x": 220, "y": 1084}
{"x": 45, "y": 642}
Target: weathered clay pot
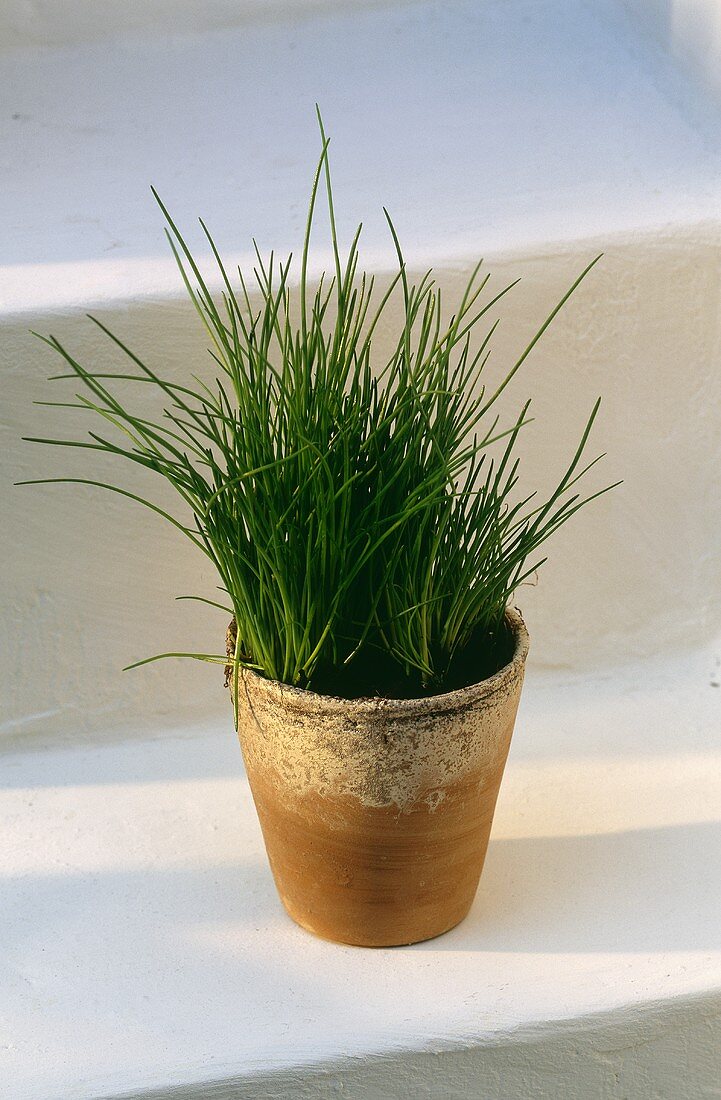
{"x": 376, "y": 813}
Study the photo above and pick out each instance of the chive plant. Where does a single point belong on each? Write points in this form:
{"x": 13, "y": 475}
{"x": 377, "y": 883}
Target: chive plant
{"x": 362, "y": 516}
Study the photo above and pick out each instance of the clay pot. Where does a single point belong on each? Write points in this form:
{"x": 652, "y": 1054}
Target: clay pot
{"x": 376, "y": 813}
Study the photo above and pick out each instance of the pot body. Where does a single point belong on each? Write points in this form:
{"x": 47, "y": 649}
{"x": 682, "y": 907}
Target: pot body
{"x": 376, "y": 813}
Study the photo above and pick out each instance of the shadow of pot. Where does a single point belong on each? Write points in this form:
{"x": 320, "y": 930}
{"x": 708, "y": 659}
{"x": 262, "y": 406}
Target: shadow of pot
{"x": 376, "y": 813}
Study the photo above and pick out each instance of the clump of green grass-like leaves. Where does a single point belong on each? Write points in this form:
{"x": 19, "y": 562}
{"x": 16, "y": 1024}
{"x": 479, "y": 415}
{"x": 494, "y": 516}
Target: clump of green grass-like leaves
{"x": 351, "y": 508}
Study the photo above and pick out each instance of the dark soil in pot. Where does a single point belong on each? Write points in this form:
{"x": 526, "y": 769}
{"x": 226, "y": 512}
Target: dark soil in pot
{"x": 373, "y": 674}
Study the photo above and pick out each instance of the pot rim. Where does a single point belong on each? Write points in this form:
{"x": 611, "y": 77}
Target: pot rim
{"x": 303, "y": 700}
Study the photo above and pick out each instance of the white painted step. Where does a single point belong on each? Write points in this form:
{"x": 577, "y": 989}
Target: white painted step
{"x": 144, "y": 947}
{"x": 482, "y": 127}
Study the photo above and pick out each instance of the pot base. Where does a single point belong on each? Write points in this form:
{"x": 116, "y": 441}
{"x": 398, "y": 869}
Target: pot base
{"x": 374, "y": 942}
{"x": 375, "y": 876}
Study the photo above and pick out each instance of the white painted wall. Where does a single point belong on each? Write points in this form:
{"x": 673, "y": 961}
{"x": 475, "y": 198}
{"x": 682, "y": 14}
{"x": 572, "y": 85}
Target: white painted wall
{"x": 690, "y": 30}
{"x": 34, "y": 23}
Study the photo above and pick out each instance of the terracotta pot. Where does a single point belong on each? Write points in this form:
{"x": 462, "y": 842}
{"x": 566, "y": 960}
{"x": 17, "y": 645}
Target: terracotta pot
{"x": 376, "y": 813}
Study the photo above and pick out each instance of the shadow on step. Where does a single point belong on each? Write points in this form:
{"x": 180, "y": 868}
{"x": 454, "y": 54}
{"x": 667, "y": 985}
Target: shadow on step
{"x": 644, "y": 890}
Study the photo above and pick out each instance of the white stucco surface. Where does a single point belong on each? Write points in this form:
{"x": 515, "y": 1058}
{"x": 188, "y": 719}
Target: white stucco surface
{"x": 480, "y": 126}
{"x": 690, "y": 30}
{"x": 143, "y": 946}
